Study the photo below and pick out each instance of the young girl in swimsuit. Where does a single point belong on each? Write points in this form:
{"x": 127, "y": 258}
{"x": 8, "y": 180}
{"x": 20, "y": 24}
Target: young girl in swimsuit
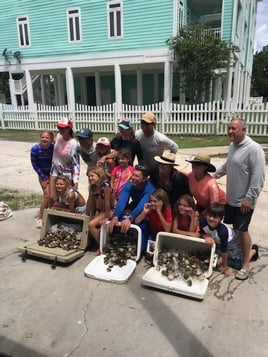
{"x": 66, "y": 198}
{"x": 101, "y": 201}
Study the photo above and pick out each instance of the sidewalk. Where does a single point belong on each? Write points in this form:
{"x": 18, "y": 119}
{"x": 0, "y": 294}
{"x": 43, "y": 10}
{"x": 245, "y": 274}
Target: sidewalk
{"x": 62, "y": 313}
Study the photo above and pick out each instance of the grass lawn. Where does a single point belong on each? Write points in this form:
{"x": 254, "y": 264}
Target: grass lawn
{"x": 17, "y": 200}
{"x": 184, "y": 142}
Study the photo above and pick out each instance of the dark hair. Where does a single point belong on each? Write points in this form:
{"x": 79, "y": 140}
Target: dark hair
{"x": 190, "y": 201}
{"x": 124, "y": 153}
{"x": 143, "y": 169}
{"x": 216, "y": 210}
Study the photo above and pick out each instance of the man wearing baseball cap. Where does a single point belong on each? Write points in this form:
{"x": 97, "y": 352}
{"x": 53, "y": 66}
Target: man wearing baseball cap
{"x": 125, "y": 139}
{"x": 87, "y": 147}
{"x": 153, "y": 143}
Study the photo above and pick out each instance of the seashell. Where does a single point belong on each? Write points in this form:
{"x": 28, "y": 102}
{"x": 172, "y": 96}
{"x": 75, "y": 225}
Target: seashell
{"x": 189, "y": 282}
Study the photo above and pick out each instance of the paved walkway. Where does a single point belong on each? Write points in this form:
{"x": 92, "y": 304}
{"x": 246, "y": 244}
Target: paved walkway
{"x": 62, "y": 313}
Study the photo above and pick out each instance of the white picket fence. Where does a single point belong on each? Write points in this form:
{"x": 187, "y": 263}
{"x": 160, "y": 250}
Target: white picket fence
{"x": 172, "y": 119}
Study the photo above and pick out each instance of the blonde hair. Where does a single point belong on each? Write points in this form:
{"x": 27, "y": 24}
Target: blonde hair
{"x": 99, "y": 172}
{"x": 68, "y": 185}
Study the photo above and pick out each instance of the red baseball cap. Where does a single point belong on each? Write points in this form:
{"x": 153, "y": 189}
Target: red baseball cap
{"x": 65, "y": 123}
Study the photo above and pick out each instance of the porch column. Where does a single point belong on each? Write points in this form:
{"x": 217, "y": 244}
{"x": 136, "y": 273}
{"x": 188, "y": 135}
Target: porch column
{"x": 236, "y": 82}
{"x": 29, "y": 88}
{"x": 70, "y": 91}
{"x": 12, "y": 90}
{"x": 167, "y": 88}
{"x": 98, "y": 88}
{"x": 217, "y": 88}
{"x": 118, "y": 85}
{"x": 43, "y": 89}
{"x": 139, "y": 87}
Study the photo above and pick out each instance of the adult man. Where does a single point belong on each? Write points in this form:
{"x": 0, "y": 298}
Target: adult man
{"x": 87, "y": 148}
{"x": 174, "y": 182}
{"x": 153, "y": 142}
{"x": 125, "y": 139}
{"x": 245, "y": 170}
{"x": 138, "y": 190}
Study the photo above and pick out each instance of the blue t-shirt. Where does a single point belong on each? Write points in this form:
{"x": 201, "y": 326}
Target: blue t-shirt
{"x": 41, "y": 160}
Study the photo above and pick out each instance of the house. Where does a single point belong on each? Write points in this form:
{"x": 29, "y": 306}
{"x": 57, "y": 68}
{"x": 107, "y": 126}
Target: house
{"x": 104, "y": 51}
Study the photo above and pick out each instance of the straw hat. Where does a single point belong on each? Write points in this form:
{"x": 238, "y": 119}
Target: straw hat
{"x": 202, "y": 158}
{"x": 167, "y": 158}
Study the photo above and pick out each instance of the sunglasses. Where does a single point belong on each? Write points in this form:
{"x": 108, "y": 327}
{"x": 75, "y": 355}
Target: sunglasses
{"x": 198, "y": 164}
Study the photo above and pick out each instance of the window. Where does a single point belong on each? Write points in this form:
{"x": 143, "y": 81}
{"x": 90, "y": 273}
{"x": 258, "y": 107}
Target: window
{"x": 115, "y": 19}
{"x": 23, "y": 31}
{"x": 180, "y": 14}
{"x": 74, "y": 25}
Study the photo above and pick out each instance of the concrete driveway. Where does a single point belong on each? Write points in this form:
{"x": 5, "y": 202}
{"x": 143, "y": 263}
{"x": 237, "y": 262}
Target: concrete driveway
{"x": 62, "y": 313}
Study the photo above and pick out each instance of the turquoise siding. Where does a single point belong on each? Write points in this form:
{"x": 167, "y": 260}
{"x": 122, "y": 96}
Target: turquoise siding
{"x": 144, "y": 26}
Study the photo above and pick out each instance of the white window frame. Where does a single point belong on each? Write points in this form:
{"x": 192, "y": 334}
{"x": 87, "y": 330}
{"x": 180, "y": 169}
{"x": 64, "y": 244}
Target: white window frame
{"x": 23, "y": 31}
{"x": 180, "y": 14}
{"x": 74, "y": 24}
{"x": 115, "y": 10}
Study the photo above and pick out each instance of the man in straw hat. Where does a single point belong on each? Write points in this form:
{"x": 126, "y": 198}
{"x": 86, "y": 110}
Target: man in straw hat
{"x": 245, "y": 170}
{"x": 203, "y": 186}
{"x": 165, "y": 176}
{"x": 152, "y": 141}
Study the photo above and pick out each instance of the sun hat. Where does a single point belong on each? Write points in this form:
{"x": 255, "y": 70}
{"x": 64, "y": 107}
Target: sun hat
{"x": 103, "y": 141}
{"x": 125, "y": 124}
{"x": 203, "y": 158}
{"x": 64, "y": 123}
{"x": 167, "y": 158}
{"x": 84, "y": 133}
{"x": 149, "y": 118}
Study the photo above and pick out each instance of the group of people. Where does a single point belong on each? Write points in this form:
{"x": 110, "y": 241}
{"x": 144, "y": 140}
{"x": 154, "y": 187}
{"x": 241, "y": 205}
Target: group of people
{"x": 154, "y": 194}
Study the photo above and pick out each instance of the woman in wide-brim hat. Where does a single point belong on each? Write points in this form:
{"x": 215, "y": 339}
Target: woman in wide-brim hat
{"x": 166, "y": 176}
{"x": 203, "y": 186}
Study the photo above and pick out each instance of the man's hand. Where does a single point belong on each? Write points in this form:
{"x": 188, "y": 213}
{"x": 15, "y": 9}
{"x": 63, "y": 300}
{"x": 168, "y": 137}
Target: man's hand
{"x": 245, "y": 207}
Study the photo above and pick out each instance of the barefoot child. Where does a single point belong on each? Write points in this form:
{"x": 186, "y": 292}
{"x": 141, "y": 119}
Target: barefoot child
{"x": 186, "y": 217}
{"x": 41, "y": 159}
{"x": 225, "y": 238}
{"x": 66, "y": 198}
{"x": 101, "y": 201}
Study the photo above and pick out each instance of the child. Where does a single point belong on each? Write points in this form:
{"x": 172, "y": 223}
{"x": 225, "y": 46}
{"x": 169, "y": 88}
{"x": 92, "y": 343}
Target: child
{"x": 101, "y": 201}
{"x": 67, "y": 198}
{"x": 158, "y": 214}
{"x": 225, "y": 238}
{"x": 122, "y": 172}
{"x": 41, "y": 159}
{"x": 103, "y": 148}
{"x": 65, "y": 160}
{"x": 186, "y": 217}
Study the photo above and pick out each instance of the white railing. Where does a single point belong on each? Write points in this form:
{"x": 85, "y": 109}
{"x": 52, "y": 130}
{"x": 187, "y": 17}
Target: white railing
{"x": 172, "y": 119}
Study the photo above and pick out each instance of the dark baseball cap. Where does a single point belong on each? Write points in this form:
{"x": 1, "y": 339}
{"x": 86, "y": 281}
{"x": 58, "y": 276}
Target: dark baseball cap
{"x": 84, "y": 133}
